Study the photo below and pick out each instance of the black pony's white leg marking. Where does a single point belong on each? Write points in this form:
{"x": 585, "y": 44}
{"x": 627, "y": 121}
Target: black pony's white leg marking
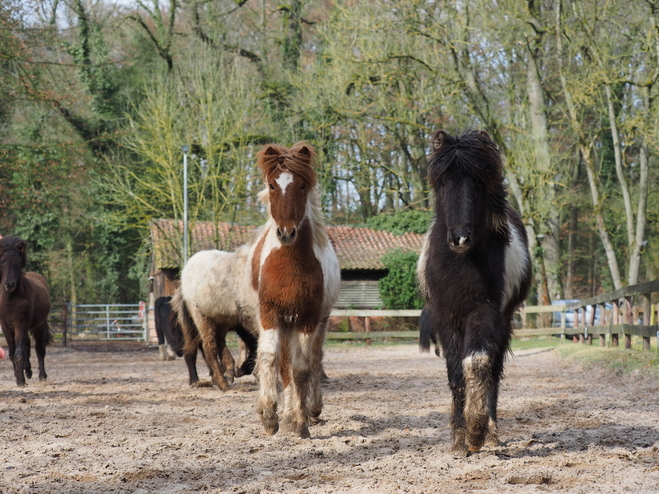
{"x": 477, "y": 371}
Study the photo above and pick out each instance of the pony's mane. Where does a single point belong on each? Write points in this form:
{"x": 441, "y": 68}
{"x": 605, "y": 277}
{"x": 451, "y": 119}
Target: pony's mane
{"x": 10, "y": 242}
{"x": 475, "y": 154}
{"x": 300, "y": 159}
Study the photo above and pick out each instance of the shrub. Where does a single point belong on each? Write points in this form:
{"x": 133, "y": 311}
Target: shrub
{"x": 399, "y": 289}
{"x": 401, "y": 222}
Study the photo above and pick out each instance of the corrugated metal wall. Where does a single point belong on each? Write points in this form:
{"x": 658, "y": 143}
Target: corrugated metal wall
{"x": 359, "y": 295}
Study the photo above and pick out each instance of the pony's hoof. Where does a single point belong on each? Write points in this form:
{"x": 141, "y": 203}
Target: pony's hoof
{"x": 222, "y": 384}
{"x": 270, "y": 422}
{"x": 28, "y": 373}
{"x": 43, "y": 378}
{"x": 302, "y": 431}
{"x": 474, "y": 449}
{"x": 459, "y": 449}
{"x": 492, "y": 441}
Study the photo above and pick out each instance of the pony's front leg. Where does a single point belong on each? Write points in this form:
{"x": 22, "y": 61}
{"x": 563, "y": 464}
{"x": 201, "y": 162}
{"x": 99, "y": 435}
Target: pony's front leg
{"x": 267, "y": 366}
{"x": 300, "y": 348}
{"x": 484, "y": 334}
{"x": 456, "y": 383}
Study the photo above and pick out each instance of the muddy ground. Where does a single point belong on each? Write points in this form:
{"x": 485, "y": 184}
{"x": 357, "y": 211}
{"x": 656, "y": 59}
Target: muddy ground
{"x": 123, "y": 421}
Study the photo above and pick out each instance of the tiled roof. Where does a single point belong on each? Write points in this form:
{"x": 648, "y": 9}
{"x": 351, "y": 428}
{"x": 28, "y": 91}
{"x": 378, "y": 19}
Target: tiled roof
{"x": 363, "y": 248}
{"x": 356, "y": 248}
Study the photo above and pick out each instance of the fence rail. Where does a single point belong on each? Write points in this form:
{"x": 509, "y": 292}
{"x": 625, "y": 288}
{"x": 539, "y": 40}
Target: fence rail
{"x": 628, "y": 311}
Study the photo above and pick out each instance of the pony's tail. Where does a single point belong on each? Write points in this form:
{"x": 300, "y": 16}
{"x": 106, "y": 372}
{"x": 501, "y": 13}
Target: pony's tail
{"x": 48, "y": 336}
{"x": 185, "y": 322}
{"x": 425, "y": 332}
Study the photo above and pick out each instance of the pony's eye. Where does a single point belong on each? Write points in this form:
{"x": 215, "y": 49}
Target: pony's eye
{"x": 272, "y": 187}
{"x": 304, "y": 186}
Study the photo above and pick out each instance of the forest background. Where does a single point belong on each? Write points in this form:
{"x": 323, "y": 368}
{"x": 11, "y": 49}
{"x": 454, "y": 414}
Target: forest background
{"x": 98, "y": 96}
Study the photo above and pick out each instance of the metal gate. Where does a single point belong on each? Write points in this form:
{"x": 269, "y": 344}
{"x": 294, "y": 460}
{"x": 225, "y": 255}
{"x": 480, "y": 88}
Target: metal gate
{"x": 103, "y": 322}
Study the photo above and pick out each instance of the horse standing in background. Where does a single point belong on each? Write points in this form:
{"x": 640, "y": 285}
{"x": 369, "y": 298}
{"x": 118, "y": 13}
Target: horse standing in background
{"x": 24, "y": 309}
{"x": 475, "y": 271}
{"x": 170, "y": 337}
{"x": 210, "y": 303}
{"x": 294, "y": 272}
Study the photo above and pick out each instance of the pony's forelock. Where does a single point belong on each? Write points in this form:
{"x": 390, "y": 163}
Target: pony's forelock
{"x": 299, "y": 160}
{"x": 475, "y": 154}
{"x": 11, "y": 242}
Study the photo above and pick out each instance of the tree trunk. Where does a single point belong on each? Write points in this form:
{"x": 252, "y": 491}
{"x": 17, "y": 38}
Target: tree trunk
{"x": 587, "y": 159}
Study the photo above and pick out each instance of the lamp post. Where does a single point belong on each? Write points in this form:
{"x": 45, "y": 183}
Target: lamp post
{"x": 185, "y": 149}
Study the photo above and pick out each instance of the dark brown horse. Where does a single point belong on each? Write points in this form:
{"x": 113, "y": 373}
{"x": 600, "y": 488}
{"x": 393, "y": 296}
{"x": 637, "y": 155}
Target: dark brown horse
{"x": 24, "y": 308}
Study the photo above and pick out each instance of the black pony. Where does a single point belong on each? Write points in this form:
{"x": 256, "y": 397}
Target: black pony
{"x": 170, "y": 336}
{"x": 24, "y": 308}
{"x": 475, "y": 271}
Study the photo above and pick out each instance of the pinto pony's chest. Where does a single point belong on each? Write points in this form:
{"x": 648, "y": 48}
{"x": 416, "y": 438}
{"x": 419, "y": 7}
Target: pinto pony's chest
{"x": 289, "y": 278}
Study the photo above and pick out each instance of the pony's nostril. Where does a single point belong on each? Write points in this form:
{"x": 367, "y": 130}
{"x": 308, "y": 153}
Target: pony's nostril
{"x": 279, "y": 233}
{"x": 293, "y": 232}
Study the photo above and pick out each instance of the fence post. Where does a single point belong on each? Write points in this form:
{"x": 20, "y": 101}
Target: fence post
{"x": 603, "y": 323}
{"x": 563, "y": 323}
{"x": 591, "y": 323}
{"x": 144, "y": 312}
{"x": 367, "y": 328}
{"x": 647, "y": 308}
{"x": 616, "y": 321}
{"x": 107, "y": 321}
{"x": 628, "y": 320}
{"x": 65, "y": 316}
{"x": 582, "y": 324}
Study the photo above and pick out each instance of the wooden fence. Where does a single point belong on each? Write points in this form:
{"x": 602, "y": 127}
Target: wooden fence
{"x": 628, "y": 311}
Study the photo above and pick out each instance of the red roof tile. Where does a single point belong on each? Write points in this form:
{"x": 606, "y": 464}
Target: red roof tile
{"x": 356, "y": 248}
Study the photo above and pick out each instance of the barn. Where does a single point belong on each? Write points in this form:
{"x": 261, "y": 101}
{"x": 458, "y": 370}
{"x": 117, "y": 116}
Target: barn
{"x": 359, "y": 250}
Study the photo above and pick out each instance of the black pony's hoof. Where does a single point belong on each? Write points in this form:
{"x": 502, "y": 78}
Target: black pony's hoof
{"x": 28, "y": 373}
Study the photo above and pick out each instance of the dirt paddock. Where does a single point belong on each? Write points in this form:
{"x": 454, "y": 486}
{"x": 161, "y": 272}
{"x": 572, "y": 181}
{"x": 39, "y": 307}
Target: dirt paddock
{"x": 122, "y": 421}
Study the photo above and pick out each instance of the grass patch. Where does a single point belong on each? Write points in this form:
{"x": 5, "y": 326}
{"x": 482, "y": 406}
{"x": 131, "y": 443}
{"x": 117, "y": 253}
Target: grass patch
{"x": 620, "y": 361}
{"x": 536, "y": 342}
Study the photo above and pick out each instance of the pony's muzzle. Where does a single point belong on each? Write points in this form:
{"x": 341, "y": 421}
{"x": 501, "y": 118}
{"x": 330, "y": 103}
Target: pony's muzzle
{"x": 286, "y": 237}
{"x": 459, "y": 241}
{"x": 10, "y": 286}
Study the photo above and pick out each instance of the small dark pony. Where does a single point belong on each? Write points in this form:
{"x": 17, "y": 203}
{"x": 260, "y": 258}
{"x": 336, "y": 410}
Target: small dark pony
{"x": 475, "y": 271}
{"x": 170, "y": 337}
{"x": 24, "y": 308}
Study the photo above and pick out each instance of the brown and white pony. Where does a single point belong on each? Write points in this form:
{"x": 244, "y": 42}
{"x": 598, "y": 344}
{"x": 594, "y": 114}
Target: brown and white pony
{"x": 24, "y": 309}
{"x": 294, "y": 272}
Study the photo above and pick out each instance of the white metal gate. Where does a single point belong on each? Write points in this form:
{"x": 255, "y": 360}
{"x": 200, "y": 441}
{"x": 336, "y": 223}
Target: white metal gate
{"x": 106, "y": 322}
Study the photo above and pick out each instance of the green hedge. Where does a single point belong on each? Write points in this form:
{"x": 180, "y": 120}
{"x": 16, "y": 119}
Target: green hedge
{"x": 399, "y": 289}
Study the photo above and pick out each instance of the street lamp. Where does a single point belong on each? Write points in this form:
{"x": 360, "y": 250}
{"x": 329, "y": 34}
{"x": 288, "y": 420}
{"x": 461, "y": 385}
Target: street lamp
{"x": 185, "y": 148}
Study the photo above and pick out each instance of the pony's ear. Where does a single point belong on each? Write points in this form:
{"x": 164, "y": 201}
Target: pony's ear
{"x": 270, "y": 151}
{"x": 305, "y": 152}
{"x": 439, "y": 138}
{"x": 484, "y": 134}
{"x": 22, "y": 250}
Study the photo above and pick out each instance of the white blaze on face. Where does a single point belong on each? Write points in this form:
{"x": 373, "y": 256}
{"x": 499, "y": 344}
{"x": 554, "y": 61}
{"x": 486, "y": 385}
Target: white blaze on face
{"x": 284, "y": 180}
